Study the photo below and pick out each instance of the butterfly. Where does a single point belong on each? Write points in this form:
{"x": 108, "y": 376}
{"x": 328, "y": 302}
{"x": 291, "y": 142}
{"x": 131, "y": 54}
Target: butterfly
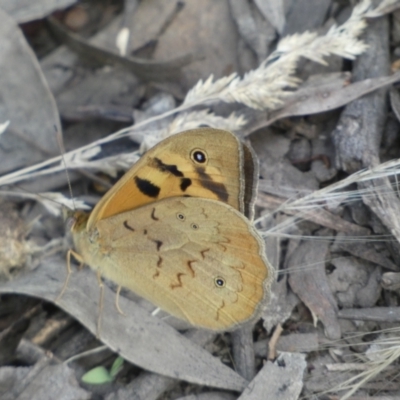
{"x": 176, "y": 229}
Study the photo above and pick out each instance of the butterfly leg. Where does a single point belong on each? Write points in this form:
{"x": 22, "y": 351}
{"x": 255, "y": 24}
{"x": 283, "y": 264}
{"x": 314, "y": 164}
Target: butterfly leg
{"x": 69, "y": 271}
{"x": 101, "y": 303}
{"x": 117, "y": 301}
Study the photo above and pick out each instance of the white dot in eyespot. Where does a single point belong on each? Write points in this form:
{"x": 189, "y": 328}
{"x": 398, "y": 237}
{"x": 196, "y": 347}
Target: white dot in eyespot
{"x": 199, "y": 156}
{"x": 219, "y": 282}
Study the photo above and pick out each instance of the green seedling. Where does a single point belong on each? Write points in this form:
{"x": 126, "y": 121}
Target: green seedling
{"x": 100, "y": 375}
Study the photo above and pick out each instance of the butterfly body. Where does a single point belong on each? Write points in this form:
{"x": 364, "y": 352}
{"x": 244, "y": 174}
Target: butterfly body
{"x": 195, "y": 255}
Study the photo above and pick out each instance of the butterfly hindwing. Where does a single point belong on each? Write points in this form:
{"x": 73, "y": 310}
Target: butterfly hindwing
{"x": 198, "y": 259}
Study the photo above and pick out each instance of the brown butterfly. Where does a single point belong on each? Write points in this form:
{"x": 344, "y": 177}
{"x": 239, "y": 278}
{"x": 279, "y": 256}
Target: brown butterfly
{"x": 173, "y": 231}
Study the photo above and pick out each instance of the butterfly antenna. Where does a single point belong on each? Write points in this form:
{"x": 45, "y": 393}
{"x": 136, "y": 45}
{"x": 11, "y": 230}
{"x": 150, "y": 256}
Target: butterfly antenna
{"x": 62, "y": 150}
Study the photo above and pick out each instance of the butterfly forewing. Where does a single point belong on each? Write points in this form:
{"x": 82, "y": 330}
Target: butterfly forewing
{"x": 207, "y": 163}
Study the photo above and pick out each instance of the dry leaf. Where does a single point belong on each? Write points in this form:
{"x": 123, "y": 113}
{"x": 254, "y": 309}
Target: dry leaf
{"x": 30, "y": 108}
{"x": 311, "y": 284}
{"x": 278, "y": 380}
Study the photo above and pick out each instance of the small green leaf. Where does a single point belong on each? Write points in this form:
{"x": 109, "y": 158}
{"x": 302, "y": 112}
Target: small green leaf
{"x": 97, "y": 376}
{"x": 117, "y": 366}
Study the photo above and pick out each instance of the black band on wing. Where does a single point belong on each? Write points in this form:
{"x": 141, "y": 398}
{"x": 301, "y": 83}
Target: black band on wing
{"x": 173, "y": 169}
{"x": 146, "y": 187}
{"x": 217, "y": 188}
{"x": 185, "y": 183}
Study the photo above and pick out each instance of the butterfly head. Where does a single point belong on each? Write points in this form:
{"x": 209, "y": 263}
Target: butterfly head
{"x": 74, "y": 220}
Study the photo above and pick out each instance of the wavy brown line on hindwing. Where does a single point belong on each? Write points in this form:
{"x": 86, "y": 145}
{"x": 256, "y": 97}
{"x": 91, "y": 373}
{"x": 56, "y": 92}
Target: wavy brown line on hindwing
{"x": 207, "y": 163}
{"x": 192, "y": 271}
{"x": 127, "y": 226}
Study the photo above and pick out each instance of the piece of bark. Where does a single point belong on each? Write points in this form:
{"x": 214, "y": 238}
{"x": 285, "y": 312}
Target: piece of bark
{"x": 359, "y": 130}
{"x": 311, "y": 284}
{"x": 378, "y": 314}
{"x": 243, "y": 352}
{"x": 278, "y": 380}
